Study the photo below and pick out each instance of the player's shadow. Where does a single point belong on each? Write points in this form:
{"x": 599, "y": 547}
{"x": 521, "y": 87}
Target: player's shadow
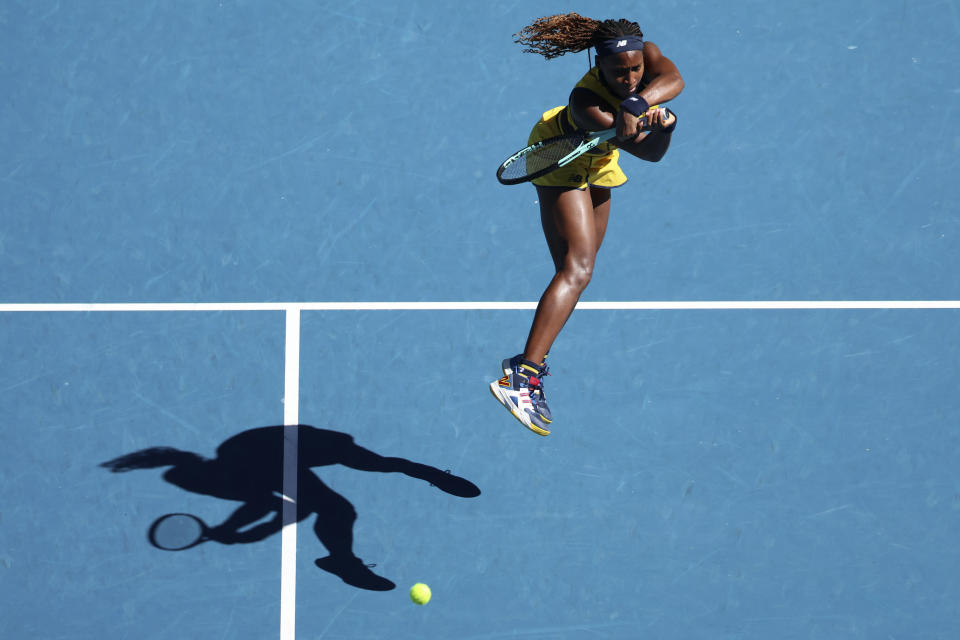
{"x": 249, "y": 469}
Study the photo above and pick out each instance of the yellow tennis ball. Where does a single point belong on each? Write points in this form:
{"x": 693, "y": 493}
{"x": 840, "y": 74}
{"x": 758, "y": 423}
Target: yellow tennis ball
{"x": 420, "y": 593}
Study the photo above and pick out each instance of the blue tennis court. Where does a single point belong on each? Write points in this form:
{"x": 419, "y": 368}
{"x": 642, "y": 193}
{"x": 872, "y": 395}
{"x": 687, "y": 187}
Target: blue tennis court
{"x": 755, "y": 406}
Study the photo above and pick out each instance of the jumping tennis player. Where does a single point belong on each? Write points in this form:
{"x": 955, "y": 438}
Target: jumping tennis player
{"x": 625, "y": 89}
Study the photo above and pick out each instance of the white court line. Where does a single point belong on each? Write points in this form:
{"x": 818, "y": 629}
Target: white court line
{"x": 291, "y": 410}
{"x": 291, "y": 420}
{"x": 626, "y": 305}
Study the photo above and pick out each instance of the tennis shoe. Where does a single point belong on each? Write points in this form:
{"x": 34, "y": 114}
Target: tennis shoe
{"x": 354, "y": 572}
{"x": 513, "y": 391}
{"x": 537, "y": 395}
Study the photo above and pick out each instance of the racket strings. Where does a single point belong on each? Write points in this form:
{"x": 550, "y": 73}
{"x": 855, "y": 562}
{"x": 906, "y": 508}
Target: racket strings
{"x": 541, "y": 158}
{"x": 176, "y": 531}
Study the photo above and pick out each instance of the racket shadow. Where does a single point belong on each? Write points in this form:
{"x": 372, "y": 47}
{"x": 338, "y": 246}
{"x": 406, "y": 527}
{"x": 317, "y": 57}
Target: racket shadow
{"x": 248, "y": 468}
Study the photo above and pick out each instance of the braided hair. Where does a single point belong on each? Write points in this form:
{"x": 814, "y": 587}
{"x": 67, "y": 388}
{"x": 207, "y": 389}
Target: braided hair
{"x": 553, "y": 36}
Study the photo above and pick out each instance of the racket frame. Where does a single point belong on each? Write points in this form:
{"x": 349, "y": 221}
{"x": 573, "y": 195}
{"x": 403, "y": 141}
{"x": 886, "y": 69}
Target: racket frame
{"x": 152, "y": 532}
{"x": 590, "y": 140}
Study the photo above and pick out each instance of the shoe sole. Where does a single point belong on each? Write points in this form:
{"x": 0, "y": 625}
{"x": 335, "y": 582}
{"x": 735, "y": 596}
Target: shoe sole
{"x": 495, "y": 390}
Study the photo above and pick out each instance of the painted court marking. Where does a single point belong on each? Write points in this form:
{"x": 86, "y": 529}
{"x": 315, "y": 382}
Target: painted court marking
{"x": 713, "y": 305}
{"x": 291, "y": 402}
{"x": 291, "y": 420}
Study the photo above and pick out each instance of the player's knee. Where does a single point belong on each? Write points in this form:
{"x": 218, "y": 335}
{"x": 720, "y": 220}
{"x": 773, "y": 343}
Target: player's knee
{"x": 578, "y": 272}
{"x": 349, "y": 513}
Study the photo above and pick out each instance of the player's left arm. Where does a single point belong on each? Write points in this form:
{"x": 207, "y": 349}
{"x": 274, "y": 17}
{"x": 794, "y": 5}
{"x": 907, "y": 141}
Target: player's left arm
{"x": 665, "y": 83}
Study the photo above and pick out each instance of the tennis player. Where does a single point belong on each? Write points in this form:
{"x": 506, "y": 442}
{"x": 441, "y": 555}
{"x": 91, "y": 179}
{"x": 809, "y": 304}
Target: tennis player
{"x": 625, "y": 89}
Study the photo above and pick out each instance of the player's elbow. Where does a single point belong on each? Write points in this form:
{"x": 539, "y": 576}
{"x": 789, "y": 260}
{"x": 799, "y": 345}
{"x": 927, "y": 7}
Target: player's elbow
{"x": 654, "y": 153}
{"x": 680, "y": 84}
{"x": 673, "y": 84}
{"x": 655, "y": 157}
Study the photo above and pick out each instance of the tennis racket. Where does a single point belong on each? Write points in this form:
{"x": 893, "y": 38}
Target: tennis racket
{"x": 177, "y": 531}
{"x": 540, "y": 158}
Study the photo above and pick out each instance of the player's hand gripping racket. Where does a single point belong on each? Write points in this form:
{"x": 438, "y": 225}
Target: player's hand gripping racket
{"x": 178, "y": 531}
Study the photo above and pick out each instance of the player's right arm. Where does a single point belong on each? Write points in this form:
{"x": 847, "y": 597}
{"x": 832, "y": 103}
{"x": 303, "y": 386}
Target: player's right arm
{"x": 651, "y": 145}
{"x": 589, "y": 111}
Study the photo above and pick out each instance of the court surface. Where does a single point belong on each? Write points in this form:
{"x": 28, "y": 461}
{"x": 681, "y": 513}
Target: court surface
{"x": 756, "y": 405}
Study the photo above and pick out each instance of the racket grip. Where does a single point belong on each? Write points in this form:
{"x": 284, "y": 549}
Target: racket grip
{"x": 646, "y": 125}
{"x": 673, "y": 125}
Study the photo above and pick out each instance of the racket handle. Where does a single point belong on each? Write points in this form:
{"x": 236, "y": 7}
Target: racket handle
{"x": 673, "y": 125}
{"x": 646, "y": 125}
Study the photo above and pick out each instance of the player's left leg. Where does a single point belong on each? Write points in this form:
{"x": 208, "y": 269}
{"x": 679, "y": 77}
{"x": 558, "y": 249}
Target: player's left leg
{"x": 600, "y": 197}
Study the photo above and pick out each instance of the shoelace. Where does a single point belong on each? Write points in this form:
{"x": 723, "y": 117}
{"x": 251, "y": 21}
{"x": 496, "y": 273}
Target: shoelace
{"x": 536, "y": 390}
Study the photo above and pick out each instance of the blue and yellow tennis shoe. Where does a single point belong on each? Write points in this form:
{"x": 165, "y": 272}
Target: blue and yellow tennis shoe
{"x": 536, "y": 392}
{"x": 520, "y": 390}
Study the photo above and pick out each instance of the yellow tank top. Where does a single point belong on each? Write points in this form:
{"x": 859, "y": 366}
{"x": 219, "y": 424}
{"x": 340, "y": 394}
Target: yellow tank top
{"x": 592, "y": 82}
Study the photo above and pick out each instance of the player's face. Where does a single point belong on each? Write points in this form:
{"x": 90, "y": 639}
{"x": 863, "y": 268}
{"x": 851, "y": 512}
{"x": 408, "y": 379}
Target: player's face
{"x": 622, "y": 71}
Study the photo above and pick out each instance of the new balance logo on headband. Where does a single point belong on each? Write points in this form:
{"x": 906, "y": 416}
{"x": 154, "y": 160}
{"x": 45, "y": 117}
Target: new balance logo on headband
{"x": 620, "y": 44}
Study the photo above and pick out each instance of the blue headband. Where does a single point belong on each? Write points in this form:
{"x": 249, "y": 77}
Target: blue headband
{"x": 619, "y": 45}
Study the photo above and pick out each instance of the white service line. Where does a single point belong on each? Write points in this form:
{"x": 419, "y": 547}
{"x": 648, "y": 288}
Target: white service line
{"x": 291, "y": 420}
{"x": 624, "y": 305}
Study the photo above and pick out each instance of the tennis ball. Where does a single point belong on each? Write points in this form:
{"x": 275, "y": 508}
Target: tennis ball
{"x": 420, "y": 593}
